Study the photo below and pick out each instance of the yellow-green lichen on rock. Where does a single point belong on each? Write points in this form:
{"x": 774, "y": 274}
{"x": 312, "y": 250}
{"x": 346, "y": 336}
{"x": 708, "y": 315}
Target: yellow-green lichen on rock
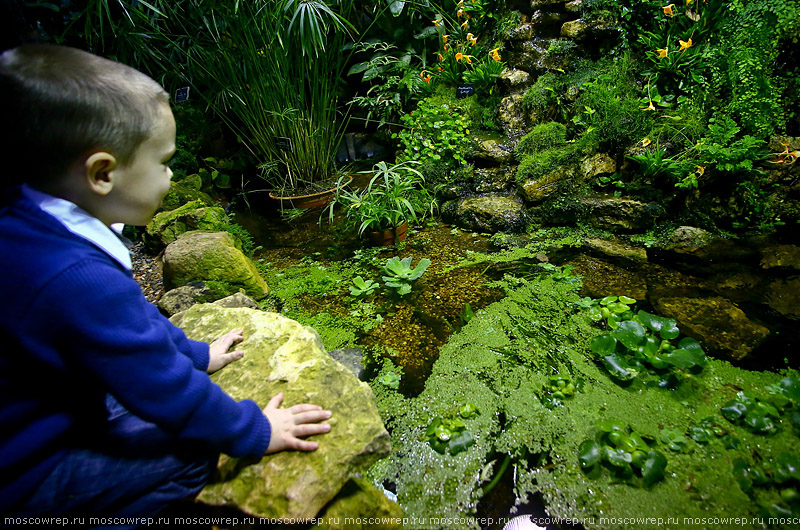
{"x": 281, "y": 355}
{"x": 214, "y": 258}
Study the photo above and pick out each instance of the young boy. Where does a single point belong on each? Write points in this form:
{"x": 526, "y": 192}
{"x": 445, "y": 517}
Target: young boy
{"x": 106, "y": 408}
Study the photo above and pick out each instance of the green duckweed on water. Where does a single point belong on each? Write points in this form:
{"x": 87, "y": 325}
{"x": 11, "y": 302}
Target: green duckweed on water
{"x": 502, "y": 361}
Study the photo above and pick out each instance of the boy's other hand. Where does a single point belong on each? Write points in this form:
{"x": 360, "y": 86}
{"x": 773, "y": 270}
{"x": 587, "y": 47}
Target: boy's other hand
{"x": 218, "y": 353}
{"x": 290, "y": 424}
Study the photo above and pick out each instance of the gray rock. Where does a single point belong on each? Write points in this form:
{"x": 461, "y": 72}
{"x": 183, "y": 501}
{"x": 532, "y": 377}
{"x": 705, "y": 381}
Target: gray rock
{"x": 581, "y": 29}
{"x": 619, "y": 213}
{"x": 494, "y": 179}
{"x": 531, "y": 56}
{"x": 511, "y": 115}
{"x": 237, "y": 300}
{"x": 522, "y": 32}
{"x": 780, "y": 256}
{"x": 489, "y": 214}
{"x": 182, "y": 298}
{"x": 601, "y": 278}
{"x": 493, "y": 150}
{"x": 574, "y": 6}
{"x": 281, "y": 355}
{"x": 538, "y": 189}
{"x": 716, "y": 322}
{"x": 213, "y": 258}
{"x": 688, "y": 239}
{"x": 575, "y": 29}
{"x": 782, "y": 296}
{"x": 617, "y": 250}
{"x": 350, "y": 358}
{"x": 597, "y": 164}
{"x": 514, "y": 79}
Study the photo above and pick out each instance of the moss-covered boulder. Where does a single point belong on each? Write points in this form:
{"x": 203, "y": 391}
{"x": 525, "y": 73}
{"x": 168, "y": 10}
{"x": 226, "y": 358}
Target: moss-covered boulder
{"x": 183, "y": 191}
{"x": 167, "y": 226}
{"x": 359, "y": 505}
{"x": 281, "y": 355}
{"x": 215, "y": 259}
{"x": 489, "y": 214}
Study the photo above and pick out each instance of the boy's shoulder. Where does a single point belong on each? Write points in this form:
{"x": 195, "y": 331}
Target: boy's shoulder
{"x": 34, "y": 245}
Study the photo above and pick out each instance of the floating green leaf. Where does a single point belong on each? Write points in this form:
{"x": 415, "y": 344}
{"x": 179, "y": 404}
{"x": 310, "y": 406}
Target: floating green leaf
{"x": 654, "y": 467}
{"x": 630, "y": 334}
{"x": 618, "y": 368}
{"x": 603, "y": 344}
{"x": 589, "y": 454}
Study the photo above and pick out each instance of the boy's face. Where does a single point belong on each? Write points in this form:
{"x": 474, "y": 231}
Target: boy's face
{"x": 140, "y": 185}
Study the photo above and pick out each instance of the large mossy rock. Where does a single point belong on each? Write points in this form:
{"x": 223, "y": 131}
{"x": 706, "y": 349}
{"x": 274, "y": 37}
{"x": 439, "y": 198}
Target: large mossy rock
{"x": 488, "y": 214}
{"x": 281, "y": 355}
{"x": 215, "y": 259}
{"x": 167, "y": 226}
{"x": 185, "y": 190}
{"x": 360, "y": 505}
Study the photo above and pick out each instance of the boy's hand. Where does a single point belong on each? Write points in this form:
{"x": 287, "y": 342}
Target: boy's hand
{"x": 289, "y": 424}
{"x": 218, "y": 350}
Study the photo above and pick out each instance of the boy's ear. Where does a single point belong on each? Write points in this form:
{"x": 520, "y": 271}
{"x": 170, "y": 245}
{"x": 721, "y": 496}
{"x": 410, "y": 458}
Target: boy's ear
{"x": 97, "y": 172}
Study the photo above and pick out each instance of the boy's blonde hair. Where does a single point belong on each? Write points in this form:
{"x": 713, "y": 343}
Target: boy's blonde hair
{"x": 60, "y": 103}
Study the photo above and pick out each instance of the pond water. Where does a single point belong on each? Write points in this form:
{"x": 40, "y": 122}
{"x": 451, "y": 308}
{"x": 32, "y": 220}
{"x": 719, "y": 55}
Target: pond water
{"x": 412, "y": 329}
{"x": 416, "y": 326}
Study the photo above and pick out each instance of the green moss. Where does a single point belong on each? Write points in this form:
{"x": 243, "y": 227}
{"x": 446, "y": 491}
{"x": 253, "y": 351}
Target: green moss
{"x": 541, "y": 163}
{"x": 542, "y": 94}
{"x": 180, "y": 194}
{"x": 501, "y": 361}
{"x": 543, "y": 137}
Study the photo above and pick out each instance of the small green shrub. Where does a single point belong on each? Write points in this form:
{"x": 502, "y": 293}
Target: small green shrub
{"x": 544, "y": 136}
{"x": 435, "y": 130}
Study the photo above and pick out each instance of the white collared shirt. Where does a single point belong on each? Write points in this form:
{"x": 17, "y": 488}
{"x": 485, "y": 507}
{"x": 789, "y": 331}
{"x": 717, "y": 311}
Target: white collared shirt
{"x": 81, "y": 224}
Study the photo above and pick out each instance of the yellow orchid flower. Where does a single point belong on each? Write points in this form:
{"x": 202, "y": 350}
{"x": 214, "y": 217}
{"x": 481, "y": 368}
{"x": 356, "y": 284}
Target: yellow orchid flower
{"x": 668, "y": 10}
{"x": 444, "y": 38}
{"x": 468, "y": 59}
{"x": 465, "y": 24}
{"x": 495, "y": 55}
{"x": 472, "y": 39}
{"x": 427, "y": 79}
{"x": 699, "y": 170}
{"x": 685, "y": 45}
{"x": 646, "y": 141}
{"x": 436, "y": 23}
{"x": 650, "y": 106}
{"x": 446, "y": 47}
{"x": 460, "y": 13}
{"x": 422, "y": 74}
{"x": 459, "y": 56}
{"x": 441, "y": 57}
{"x": 662, "y": 52}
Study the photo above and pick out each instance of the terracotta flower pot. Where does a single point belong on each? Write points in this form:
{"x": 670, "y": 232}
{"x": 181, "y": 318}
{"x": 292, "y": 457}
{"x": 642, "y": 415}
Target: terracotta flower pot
{"x": 388, "y": 237}
{"x": 312, "y": 200}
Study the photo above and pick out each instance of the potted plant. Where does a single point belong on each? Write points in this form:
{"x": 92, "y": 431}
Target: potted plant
{"x": 395, "y": 196}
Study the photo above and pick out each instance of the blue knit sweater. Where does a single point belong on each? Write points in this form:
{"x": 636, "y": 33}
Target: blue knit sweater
{"x": 74, "y": 327}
